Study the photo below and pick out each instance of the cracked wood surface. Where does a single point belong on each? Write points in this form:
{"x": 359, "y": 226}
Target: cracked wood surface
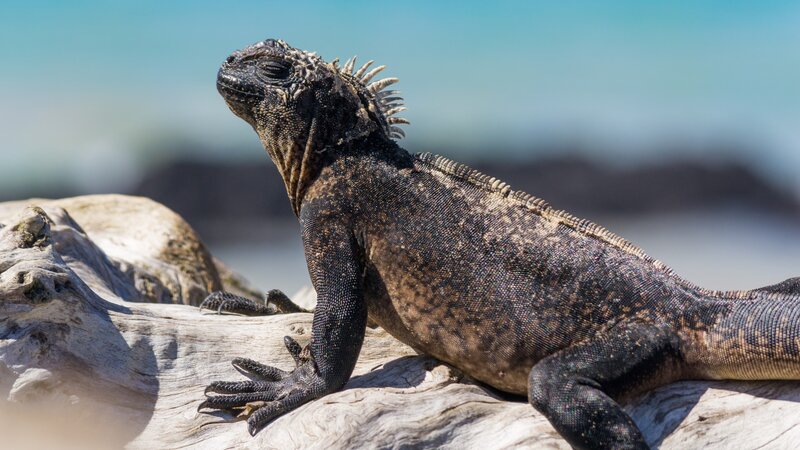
{"x": 86, "y": 362}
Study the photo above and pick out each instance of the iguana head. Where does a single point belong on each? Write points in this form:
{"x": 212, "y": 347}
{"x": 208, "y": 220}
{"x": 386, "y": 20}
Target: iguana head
{"x": 301, "y": 106}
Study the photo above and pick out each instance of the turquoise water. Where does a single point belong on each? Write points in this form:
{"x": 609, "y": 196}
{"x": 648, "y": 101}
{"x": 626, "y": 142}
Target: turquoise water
{"x": 95, "y": 92}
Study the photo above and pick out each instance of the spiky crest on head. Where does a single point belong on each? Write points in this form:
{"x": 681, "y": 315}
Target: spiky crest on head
{"x": 384, "y": 103}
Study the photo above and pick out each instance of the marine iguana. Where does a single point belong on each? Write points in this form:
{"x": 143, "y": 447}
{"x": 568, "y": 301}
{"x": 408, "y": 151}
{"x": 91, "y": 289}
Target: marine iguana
{"x": 458, "y": 265}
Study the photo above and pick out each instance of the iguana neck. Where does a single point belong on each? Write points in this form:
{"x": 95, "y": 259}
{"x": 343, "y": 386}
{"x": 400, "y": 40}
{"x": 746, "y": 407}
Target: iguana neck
{"x": 300, "y": 163}
{"x": 297, "y": 163}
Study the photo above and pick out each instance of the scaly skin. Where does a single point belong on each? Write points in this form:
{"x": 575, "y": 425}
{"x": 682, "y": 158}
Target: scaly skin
{"x": 523, "y": 297}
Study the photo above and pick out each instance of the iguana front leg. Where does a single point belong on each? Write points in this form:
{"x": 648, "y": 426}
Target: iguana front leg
{"x": 337, "y": 334}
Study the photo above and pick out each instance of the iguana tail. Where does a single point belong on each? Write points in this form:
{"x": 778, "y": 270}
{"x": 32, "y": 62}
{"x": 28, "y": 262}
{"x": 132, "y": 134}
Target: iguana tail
{"x": 756, "y": 338}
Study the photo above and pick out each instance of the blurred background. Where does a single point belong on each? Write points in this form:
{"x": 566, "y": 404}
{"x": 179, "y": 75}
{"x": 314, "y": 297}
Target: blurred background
{"x": 675, "y": 124}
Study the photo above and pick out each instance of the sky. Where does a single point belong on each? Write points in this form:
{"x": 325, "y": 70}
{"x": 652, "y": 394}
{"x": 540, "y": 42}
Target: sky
{"x": 96, "y": 92}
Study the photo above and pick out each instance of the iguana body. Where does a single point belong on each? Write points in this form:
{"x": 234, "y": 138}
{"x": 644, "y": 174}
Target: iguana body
{"x": 456, "y": 264}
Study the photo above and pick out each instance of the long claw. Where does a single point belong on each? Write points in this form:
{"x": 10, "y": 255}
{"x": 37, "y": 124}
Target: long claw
{"x": 294, "y": 349}
{"x": 203, "y": 404}
{"x": 268, "y": 373}
{"x": 238, "y": 400}
{"x": 236, "y": 387}
{"x": 282, "y": 302}
{"x": 250, "y": 408}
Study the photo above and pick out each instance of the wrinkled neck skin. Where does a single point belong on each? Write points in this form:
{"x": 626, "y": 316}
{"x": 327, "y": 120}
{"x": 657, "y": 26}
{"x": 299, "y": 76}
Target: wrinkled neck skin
{"x": 300, "y": 161}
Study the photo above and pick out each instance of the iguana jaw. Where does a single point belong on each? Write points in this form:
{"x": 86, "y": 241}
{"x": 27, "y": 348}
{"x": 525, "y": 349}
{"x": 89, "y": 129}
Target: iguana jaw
{"x": 239, "y": 98}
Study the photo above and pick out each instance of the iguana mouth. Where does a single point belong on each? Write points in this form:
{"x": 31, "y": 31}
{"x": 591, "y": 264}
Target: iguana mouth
{"x": 233, "y": 89}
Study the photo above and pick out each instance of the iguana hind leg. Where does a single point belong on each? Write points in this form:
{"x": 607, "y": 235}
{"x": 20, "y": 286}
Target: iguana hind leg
{"x": 575, "y": 387}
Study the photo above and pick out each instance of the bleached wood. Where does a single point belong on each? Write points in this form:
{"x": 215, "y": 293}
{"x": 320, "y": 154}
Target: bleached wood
{"x": 82, "y": 367}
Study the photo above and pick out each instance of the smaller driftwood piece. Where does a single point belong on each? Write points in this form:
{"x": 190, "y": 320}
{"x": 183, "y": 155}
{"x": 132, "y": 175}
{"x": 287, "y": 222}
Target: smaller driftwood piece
{"x": 101, "y": 346}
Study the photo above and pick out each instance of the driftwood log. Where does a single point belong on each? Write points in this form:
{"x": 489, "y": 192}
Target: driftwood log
{"x": 100, "y": 346}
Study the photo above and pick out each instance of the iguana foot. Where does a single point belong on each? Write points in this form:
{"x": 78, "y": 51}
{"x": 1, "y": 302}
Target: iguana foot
{"x": 274, "y": 393}
{"x": 231, "y": 303}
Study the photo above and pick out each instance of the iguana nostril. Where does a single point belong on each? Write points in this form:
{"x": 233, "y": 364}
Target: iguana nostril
{"x": 230, "y": 59}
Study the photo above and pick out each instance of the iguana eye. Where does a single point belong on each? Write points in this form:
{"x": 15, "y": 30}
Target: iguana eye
{"x": 276, "y": 69}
